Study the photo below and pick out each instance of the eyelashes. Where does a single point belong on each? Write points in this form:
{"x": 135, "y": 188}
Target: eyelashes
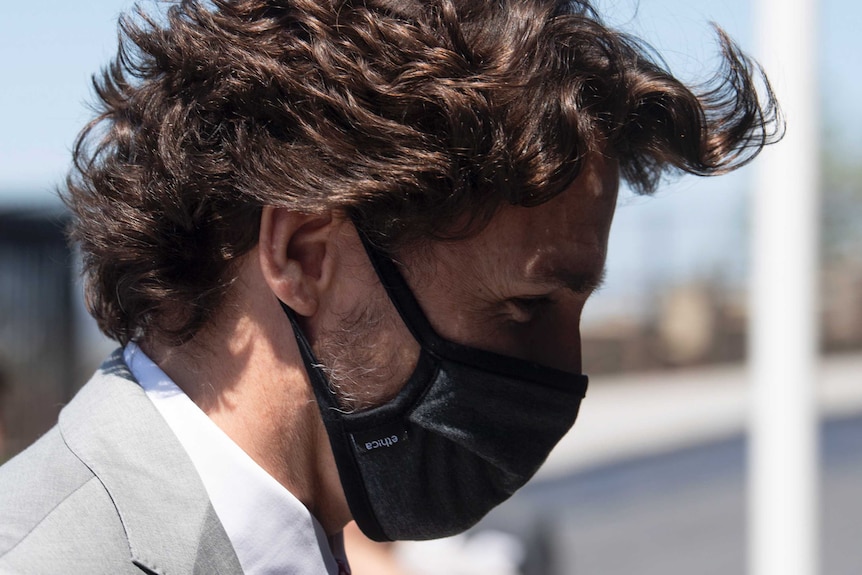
{"x": 524, "y": 309}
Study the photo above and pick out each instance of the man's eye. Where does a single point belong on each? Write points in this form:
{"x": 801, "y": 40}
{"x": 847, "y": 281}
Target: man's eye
{"x": 523, "y": 309}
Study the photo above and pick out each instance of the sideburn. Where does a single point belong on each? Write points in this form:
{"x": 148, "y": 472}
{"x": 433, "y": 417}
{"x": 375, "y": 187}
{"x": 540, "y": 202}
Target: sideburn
{"x": 369, "y": 357}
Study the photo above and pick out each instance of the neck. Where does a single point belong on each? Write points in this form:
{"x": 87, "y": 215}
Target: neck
{"x": 260, "y": 397}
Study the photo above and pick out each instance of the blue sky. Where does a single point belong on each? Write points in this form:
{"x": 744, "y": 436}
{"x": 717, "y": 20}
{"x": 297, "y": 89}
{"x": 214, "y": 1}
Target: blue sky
{"x": 49, "y": 50}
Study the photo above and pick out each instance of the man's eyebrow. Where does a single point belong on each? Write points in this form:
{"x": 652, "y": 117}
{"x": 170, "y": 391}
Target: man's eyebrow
{"x": 579, "y": 282}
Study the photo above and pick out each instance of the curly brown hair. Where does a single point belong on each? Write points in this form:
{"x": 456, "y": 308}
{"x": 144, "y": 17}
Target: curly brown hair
{"x": 405, "y": 115}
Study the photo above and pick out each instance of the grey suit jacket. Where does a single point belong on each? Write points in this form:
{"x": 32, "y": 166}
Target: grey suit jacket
{"x": 109, "y": 490}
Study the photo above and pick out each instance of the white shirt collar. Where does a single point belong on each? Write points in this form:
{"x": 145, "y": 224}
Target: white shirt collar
{"x": 271, "y": 531}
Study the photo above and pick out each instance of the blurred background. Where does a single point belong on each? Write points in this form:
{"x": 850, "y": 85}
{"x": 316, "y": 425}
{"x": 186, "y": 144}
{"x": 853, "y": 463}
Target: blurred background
{"x": 652, "y": 479}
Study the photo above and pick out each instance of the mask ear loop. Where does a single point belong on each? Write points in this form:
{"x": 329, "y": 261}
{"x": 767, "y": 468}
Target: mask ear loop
{"x": 402, "y": 297}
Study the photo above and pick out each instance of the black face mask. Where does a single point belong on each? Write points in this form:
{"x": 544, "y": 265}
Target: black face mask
{"x": 466, "y": 431}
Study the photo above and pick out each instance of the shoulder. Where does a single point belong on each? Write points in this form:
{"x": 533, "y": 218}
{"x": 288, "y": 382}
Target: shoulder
{"x": 55, "y": 514}
{"x": 110, "y": 487}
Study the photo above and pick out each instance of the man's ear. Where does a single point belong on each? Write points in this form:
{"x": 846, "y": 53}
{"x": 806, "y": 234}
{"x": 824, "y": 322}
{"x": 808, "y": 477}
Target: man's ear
{"x": 296, "y": 258}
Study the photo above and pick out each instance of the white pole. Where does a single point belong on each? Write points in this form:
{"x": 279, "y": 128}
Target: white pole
{"x": 783, "y": 461}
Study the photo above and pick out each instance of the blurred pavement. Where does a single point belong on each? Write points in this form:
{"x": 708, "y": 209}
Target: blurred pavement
{"x": 635, "y": 415}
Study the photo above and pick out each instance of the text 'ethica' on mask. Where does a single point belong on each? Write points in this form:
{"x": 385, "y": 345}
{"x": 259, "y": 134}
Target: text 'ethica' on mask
{"x": 384, "y": 442}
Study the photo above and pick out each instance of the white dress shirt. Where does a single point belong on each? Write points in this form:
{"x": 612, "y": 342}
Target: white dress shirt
{"x": 271, "y": 531}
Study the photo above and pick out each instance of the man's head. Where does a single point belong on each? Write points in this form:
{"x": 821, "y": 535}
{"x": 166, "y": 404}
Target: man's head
{"x": 417, "y": 120}
{"x": 424, "y": 188}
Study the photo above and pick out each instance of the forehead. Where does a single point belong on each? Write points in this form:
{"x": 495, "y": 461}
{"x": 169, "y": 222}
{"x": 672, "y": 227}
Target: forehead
{"x": 561, "y": 243}
{"x": 566, "y": 234}
{"x": 575, "y": 216}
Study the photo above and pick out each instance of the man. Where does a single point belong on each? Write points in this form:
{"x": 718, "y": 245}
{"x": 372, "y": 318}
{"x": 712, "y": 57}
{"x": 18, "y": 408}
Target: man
{"x": 345, "y": 247}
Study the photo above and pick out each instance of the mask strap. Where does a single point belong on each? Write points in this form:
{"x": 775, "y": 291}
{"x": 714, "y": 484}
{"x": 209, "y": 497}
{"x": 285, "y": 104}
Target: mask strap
{"x": 402, "y": 297}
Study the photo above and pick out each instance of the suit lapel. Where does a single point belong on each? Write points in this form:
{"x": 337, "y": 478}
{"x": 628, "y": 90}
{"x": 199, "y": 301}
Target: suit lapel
{"x": 115, "y": 430}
